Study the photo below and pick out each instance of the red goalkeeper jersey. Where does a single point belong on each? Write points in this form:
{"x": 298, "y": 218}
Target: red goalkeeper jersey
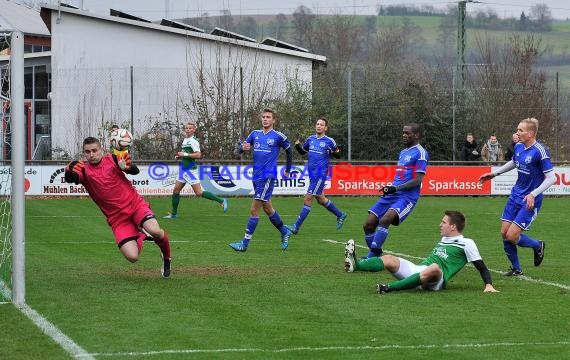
{"x": 110, "y": 189}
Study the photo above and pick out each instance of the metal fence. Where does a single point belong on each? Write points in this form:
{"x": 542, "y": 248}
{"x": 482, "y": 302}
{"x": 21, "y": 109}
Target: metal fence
{"x": 366, "y": 107}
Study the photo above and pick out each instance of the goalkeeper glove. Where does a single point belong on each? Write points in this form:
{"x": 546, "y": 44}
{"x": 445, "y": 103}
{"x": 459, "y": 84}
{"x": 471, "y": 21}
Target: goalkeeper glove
{"x": 124, "y": 161}
{"x": 73, "y": 171}
{"x": 388, "y": 189}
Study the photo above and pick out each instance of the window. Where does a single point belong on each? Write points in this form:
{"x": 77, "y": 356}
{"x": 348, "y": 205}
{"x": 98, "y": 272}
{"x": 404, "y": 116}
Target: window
{"x": 41, "y": 82}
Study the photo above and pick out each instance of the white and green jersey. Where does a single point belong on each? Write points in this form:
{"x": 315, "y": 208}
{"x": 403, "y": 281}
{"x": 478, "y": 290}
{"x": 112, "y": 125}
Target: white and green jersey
{"x": 190, "y": 145}
{"x": 451, "y": 254}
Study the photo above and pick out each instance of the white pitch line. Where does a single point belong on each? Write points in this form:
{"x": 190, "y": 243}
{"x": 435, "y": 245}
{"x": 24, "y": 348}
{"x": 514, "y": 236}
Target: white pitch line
{"x": 332, "y": 348}
{"x": 522, "y": 277}
{"x": 55, "y": 334}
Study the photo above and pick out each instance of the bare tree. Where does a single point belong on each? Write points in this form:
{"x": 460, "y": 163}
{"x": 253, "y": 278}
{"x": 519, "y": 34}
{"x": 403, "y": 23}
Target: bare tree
{"x": 338, "y": 38}
{"x": 541, "y": 16}
{"x": 281, "y": 22}
{"x": 509, "y": 87}
{"x": 229, "y": 88}
{"x": 303, "y": 20}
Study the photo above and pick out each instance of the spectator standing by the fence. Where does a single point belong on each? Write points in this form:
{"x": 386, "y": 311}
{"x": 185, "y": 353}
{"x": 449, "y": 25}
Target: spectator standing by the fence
{"x": 492, "y": 152}
{"x": 510, "y": 152}
{"x": 470, "y": 150}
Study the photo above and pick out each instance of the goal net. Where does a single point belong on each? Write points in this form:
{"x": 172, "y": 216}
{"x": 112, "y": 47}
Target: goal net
{"x": 12, "y": 131}
{"x": 5, "y": 178}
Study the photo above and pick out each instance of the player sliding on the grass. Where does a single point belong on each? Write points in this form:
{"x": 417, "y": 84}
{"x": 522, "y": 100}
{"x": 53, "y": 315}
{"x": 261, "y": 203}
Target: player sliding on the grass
{"x": 447, "y": 258}
{"x": 126, "y": 211}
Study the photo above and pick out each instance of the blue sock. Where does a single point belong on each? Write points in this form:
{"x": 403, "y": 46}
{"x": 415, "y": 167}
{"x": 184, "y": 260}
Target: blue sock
{"x": 250, "y": 229}
{"x": 302, "y": 216}
{"x": 526, "y": 241}
{"x": 374, "y": 252}
{"x": 379, "y": 237}
{"x": 512, "y": 255}
{"x": 277, "y": 222}
{"x": 332, "y": 208}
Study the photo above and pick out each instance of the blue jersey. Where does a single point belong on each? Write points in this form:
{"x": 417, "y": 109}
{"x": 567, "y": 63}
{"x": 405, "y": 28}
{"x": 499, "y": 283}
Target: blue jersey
{"x": 411, "y": 161}
{"x": 266, "y": 148}
{"x": 532, "y": 163}
{"x": 319, "y": 149}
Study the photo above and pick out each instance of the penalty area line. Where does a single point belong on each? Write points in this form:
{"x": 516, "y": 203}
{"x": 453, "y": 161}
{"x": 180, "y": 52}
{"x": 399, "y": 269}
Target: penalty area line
{"x": 332, "y": 348}
{"x": 522, "y": 277}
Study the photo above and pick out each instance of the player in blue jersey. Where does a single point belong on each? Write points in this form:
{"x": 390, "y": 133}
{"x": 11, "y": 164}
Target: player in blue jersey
{"x": 535, "y": 175}
{"x": 320, "y": 148}
{"x": 400, "y": 198}
{"x": 447, "y": 258}
{"x": 266, "y": 144}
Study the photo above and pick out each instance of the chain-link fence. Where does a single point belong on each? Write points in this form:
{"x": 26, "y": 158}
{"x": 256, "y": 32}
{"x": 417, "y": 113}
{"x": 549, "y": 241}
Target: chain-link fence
{"x": 370, "y": 109}
{"x": 366, "y": 106}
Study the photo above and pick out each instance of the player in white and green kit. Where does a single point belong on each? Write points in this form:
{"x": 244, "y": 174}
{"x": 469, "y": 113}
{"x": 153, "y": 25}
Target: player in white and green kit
{"x": 447, "y": 258}
{"x": 189, "y": 172}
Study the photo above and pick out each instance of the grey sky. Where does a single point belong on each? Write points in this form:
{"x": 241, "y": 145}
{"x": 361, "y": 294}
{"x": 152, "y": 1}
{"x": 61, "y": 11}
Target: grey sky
{"x": 156, "y": 9}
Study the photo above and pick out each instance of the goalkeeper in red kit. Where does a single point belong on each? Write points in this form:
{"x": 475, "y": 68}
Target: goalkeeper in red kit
{"x": 126, "y": 211}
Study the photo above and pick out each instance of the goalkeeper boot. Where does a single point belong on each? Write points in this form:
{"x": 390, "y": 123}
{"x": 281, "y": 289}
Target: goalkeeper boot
{"x": 340, "y": 220}
{"x": 539, "y": 254}
{"x": 238, "y": 246}
{"x": 171, "y": 216}
{"x": 225, "y": 205}
{"x": 165, "y": 270}
{"x": 349, "y": 256}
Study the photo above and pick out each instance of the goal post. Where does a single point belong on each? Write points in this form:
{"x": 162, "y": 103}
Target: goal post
{"x": 13, "y": 148}
{"x": 18, "y": 126}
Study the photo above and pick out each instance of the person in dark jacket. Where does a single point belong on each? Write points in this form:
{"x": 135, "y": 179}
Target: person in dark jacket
{"x": 470, "y": 150}
{"x": 511, "y": 148}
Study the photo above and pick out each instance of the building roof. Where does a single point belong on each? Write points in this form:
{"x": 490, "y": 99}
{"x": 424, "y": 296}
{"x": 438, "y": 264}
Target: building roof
{"x": 180, "y": 25}
{"x": 16, "y": 17}
{"x": 219, "y": 36}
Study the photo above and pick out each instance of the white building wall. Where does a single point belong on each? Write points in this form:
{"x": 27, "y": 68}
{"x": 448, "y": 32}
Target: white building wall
{"x": 91, "y": 75}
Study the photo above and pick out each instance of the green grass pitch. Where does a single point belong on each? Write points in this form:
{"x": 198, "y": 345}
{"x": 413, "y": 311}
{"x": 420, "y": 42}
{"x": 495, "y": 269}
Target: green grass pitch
{"x": 269, "y": 304}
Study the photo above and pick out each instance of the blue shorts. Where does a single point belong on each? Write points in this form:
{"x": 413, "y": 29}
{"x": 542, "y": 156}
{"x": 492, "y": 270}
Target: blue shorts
{"x": 316, "y": 187}
{"x": 401, "y": 205}
{"x": 263, "y": 189}
{"x": 518, "y": 214}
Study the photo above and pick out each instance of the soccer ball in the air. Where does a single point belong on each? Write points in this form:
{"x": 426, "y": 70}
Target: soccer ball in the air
{"x": 121, "y": 139}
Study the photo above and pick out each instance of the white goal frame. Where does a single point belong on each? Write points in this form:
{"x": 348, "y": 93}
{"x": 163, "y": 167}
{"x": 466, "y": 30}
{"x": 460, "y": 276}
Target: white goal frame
{"x": 18, "y": 127}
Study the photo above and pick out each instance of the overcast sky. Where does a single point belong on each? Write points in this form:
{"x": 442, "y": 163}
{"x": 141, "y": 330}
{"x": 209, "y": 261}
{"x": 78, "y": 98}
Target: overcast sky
{"x": 156, "y": 9}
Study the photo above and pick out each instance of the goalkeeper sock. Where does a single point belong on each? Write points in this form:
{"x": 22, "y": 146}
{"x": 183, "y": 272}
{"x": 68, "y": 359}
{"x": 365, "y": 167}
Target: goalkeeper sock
{"x": 164, "y": 245}
{"x": 302, "y": 216}
{"x": 140, "y": 241}
{"x": 330, "y": 206}
{"x": 211, "y": 196}
{"x": 372, "y": 264}
{"x": 175, "y": 202}
{"x": 410, "y": 282}
{"x": 527, "y": 241}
